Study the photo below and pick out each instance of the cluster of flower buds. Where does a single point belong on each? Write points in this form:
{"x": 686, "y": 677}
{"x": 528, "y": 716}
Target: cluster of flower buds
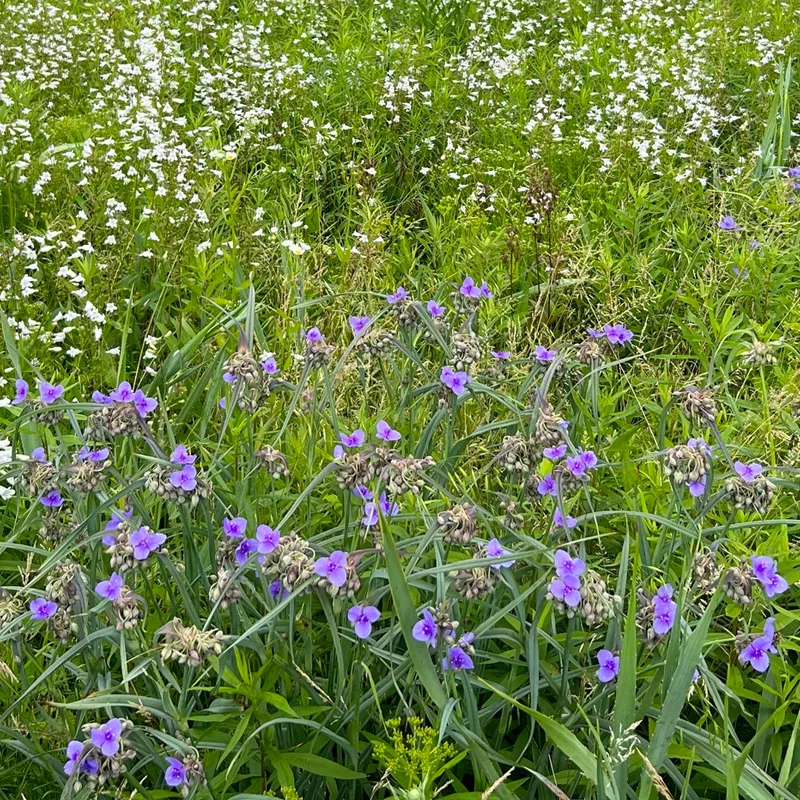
{"x": 187, "y": 644}
{"x": 549, "y": 428}
{"x": 337, "y": 574}
{"x": 403, "y": 308}
{"x": 760, "y": 354}
{"x": 688, "y": 464}
{"x": 749, "y": 489}
{"x": 469, "y": 296}
{"x": 697, "y": 405}
{"x": 515, "y": 454}
{"x": 738, "y": 584}
{"x": 114, "y": 419}
{"x": 251, "y": 379}
{"x": 457, "y": 524}
{"x": 466, "y": 350}
{"x": 102, "y": 758}
{"x": 224, "y": 588}
{"x": 398, "y": 473}
{"x": 705, "y": 573}
{"x": 291, "y": 562}
{"x": 85, "y": 475}
{"x": 475, "y": 582}
{"x": 273, "y": 462}
{"x": 374, "y": 342}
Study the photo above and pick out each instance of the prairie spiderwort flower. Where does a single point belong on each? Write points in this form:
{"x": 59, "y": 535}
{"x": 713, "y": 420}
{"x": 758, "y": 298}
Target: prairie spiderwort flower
{"x": 228, "y": 377}
{"x": 52, "y": 499}
{"x": 277, "y": 591}
{"x": 21, "y": 395}
{"x": 617, "y": 334}
{"x": 145, "y": 542}
{"x": 501, "y": 355}
{"x": 757, "y": 652}
{"x": 555, "y": 453}
{"x": 435, "y": 309}
{"x": 175, "y": 774}
{"x": 99, "y": 397}
{"x": 697, "y": 488}
{"x": 123, "y": 393}
{"x": 387, "y": 507}
{"x": 456, "y": 659}
{"x": 110, "y": 589}
{"x": 469, "y": 288}
{"x": 314, "y": 335}
{"x": 358, "y": 324}
{"x": 547, "y": 485}
{"x": 494, "y": 550}
{"x": 38, "y": 454}
{"x": 235, "y": 527}
{"x": 370, "y": 515}
{"x": 766, "y": 571}
{"x": 399, "y": 294}
{"x": 664, "y": 610}
{"x": 268, "y": 539}
{"x": 118, "y": 518}
{"x": 748, "y": 472}
{"x": 363, "y": 493}
{"x": 579, "y": 464}
{"x": 74, "y": 750}
{"x": 609, "y": 666}
{"x": 543, "y": 355}
{"x": 245, "y": 547}
{"x": 354, "y": 439}
{"x": 180, "y": 455}
{"x": 185, "y": 478}
{"x": 486, "y": 294}
{"x": 42, "y": 609}
{"x": 270, "y": 365}
{"x": 567, "y": 590}
{"x": 386, "y": 433}
{"x": 144, "y": 405}
{"x": 426, "y": 630}
{"x": 48, "y": 393}
{"x": 222, "y": 403}
{"x": 106, "y": 737}
{"x": 338, "y": 451}
{"x": 568, "y": 566}
{"x": 95, "y": 456}
{"x": 595, "y": 334}
{"x": 455, "y": 381}
{"x": 564, "y": 522}
{"x": 362, "y": 618}
{"x": 332, "y": 567}
{"x": 727, "y": 223}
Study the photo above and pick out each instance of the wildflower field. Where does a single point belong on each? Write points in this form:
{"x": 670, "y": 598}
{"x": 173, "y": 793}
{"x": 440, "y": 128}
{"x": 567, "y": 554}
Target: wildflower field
{"x": 400, "y": 399}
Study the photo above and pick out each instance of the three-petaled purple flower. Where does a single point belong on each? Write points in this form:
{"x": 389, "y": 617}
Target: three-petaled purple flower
{"x": 362, "y": 618}
{"x": 100, "y": 397}
{"x": 580, "y": 463}
{"x": 501, "y": 355}
{"x": 314, "y": 335}
{"x": 547, "y": 485}
{"x": 243, "y": 550}
{"x": 144, "y": 541}
{"x": 123, "y": 393}
{"x": 435, "y": 310}
{"x": 48, "y": 393}
{"x": 455, "y": 381}
{"x": 664, "y": 610}
{"x": 42, "y": 609}
{"x": 617, "y": 334}
{"x": 727, "y": 223}
{"x": 766, "y": 571}
{"x": 386, "y": 433}
{"x": 180, "y": 455}
{"x": 184, "y": 478}
{"x": 354, "y": 439}
{"x": 748, "y": 472}
{"x": 235, "y": 527}
{"x": 38, "y": 454}
{"x": 144, "y": 405}
{"x": 495, "y": 550}
{"x": 363, "y": 492}
{"x": 175, "y": 773}
{"x": 270, "y": 365}
{"x": 358, "y": 324}
{"x": 52, "y": 499}
{"x": 426, "y": 630}
{"x": 697, "y": 488}
{"x": 456, "y": 659}
{"x": 568, "y": 566}
{"x": 555, "y": 453}
{"x": 399, "y": 294}
{"x": 757, "y": 652}
{"x": 21, "y": 395}
{"x": 74, "y": 750}
{"x": 543, "y": 355}
{"x": 95, "y": 456}
{"x": 112, "y": 588}
{"x": 564, "y": 522}
{"x": 333, "y": 567}
{"x": 106, "y": 737}
{"x": 268, "y": 539}
{"x": 609, "y": 666}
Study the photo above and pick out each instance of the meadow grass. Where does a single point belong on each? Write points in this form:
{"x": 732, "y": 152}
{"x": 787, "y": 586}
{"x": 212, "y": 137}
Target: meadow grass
{"x": 400, "y": 399}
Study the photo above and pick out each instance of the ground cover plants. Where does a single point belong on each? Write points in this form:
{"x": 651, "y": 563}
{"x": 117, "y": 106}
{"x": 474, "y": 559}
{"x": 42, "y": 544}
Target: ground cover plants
{"x": 399, "y": 399}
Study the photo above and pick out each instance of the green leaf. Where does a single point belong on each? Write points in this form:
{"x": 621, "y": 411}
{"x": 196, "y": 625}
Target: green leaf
{"x": 321, "y": 766}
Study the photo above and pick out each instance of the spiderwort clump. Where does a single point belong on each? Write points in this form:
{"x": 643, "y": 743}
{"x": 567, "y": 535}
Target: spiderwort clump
{"x": 362, "y": 618}
{"x": 756, "y": 653}
{"x": 609, "y": 666}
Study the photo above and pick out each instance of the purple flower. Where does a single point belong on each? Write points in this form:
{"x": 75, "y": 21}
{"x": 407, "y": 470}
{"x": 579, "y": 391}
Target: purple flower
{"x": 435, "y": 309}
{"x": 175, "y": 774}
{"x": 242, "y": 552}
{"x": 697, "y": 488}
{"x": 370, "y": 515}
{"x": 270, "y": 365}
{"x": 354, "y": 439}
{"x": 123, "y": 393}
{"x": 426, "y": 630}
{"x": 42, "y": 609}
{"x": 338, "y": 451}
{"x": 617, "y": 334}
{"x": 314, "y": 335}
{"x": 595, "y": 334}
{"x": 74, "y": 750}
{"x": 117, "y": 519}
{"x": 455, "y": 381}
{"x": 399, "y": 294}
{"x": 727, "y": 223}
{"x": 144, "y": 542}
{"x": 277, "y": 591}
{"x": 268, "y": 539}
{"x": 748, "y": 472}
{"x": 222, "y": 403}
{"x": 95, "y": 456}
{"x": 106, "y": 737}
{"x": 664, "y": 610}
{"x": 470, "y": 289}
{"x": 52, "y": 499}
{"x": 494, "y": 550}
{"x": 757, "y": 652}
{"x": 22, "y": 392}
{"x": 228, "y": 377}
{"x": 48, "y": 393}
{"x": 358, "y": 324}
{"x": 144, "y": 405}
{"x": 580, "y": 463}
{"x": 235, "y": 527}
{"x": 185, "y": 478}
{"x": 363, "y": 493}
{"x": 794, "y": 172}
{"x": 388, "y": 508}
{"x": 766, "y": 571}
{"x": 332, "y": 567}
{"x": 555, "y": 453}
{"x": 563, "y": 522}
{"x": 385, "y": 433}
{"x": 38, "y": 454}
{"x": 567, "y": 566}
{"x": 180, "y": 455}
{"x": 543, "y": 355}
{"x": 110, "y": 589}
{"x": 99, "y": 397}
{"x": 362, "y": 618}
{"x": 457, "y": 658}
{"x": 485, "y": 293}
{"x": 609, "y": 666}
{"x": 547, "y": 485}
{"x": 567, "y": 590}
{"x": 501, "y": 355}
